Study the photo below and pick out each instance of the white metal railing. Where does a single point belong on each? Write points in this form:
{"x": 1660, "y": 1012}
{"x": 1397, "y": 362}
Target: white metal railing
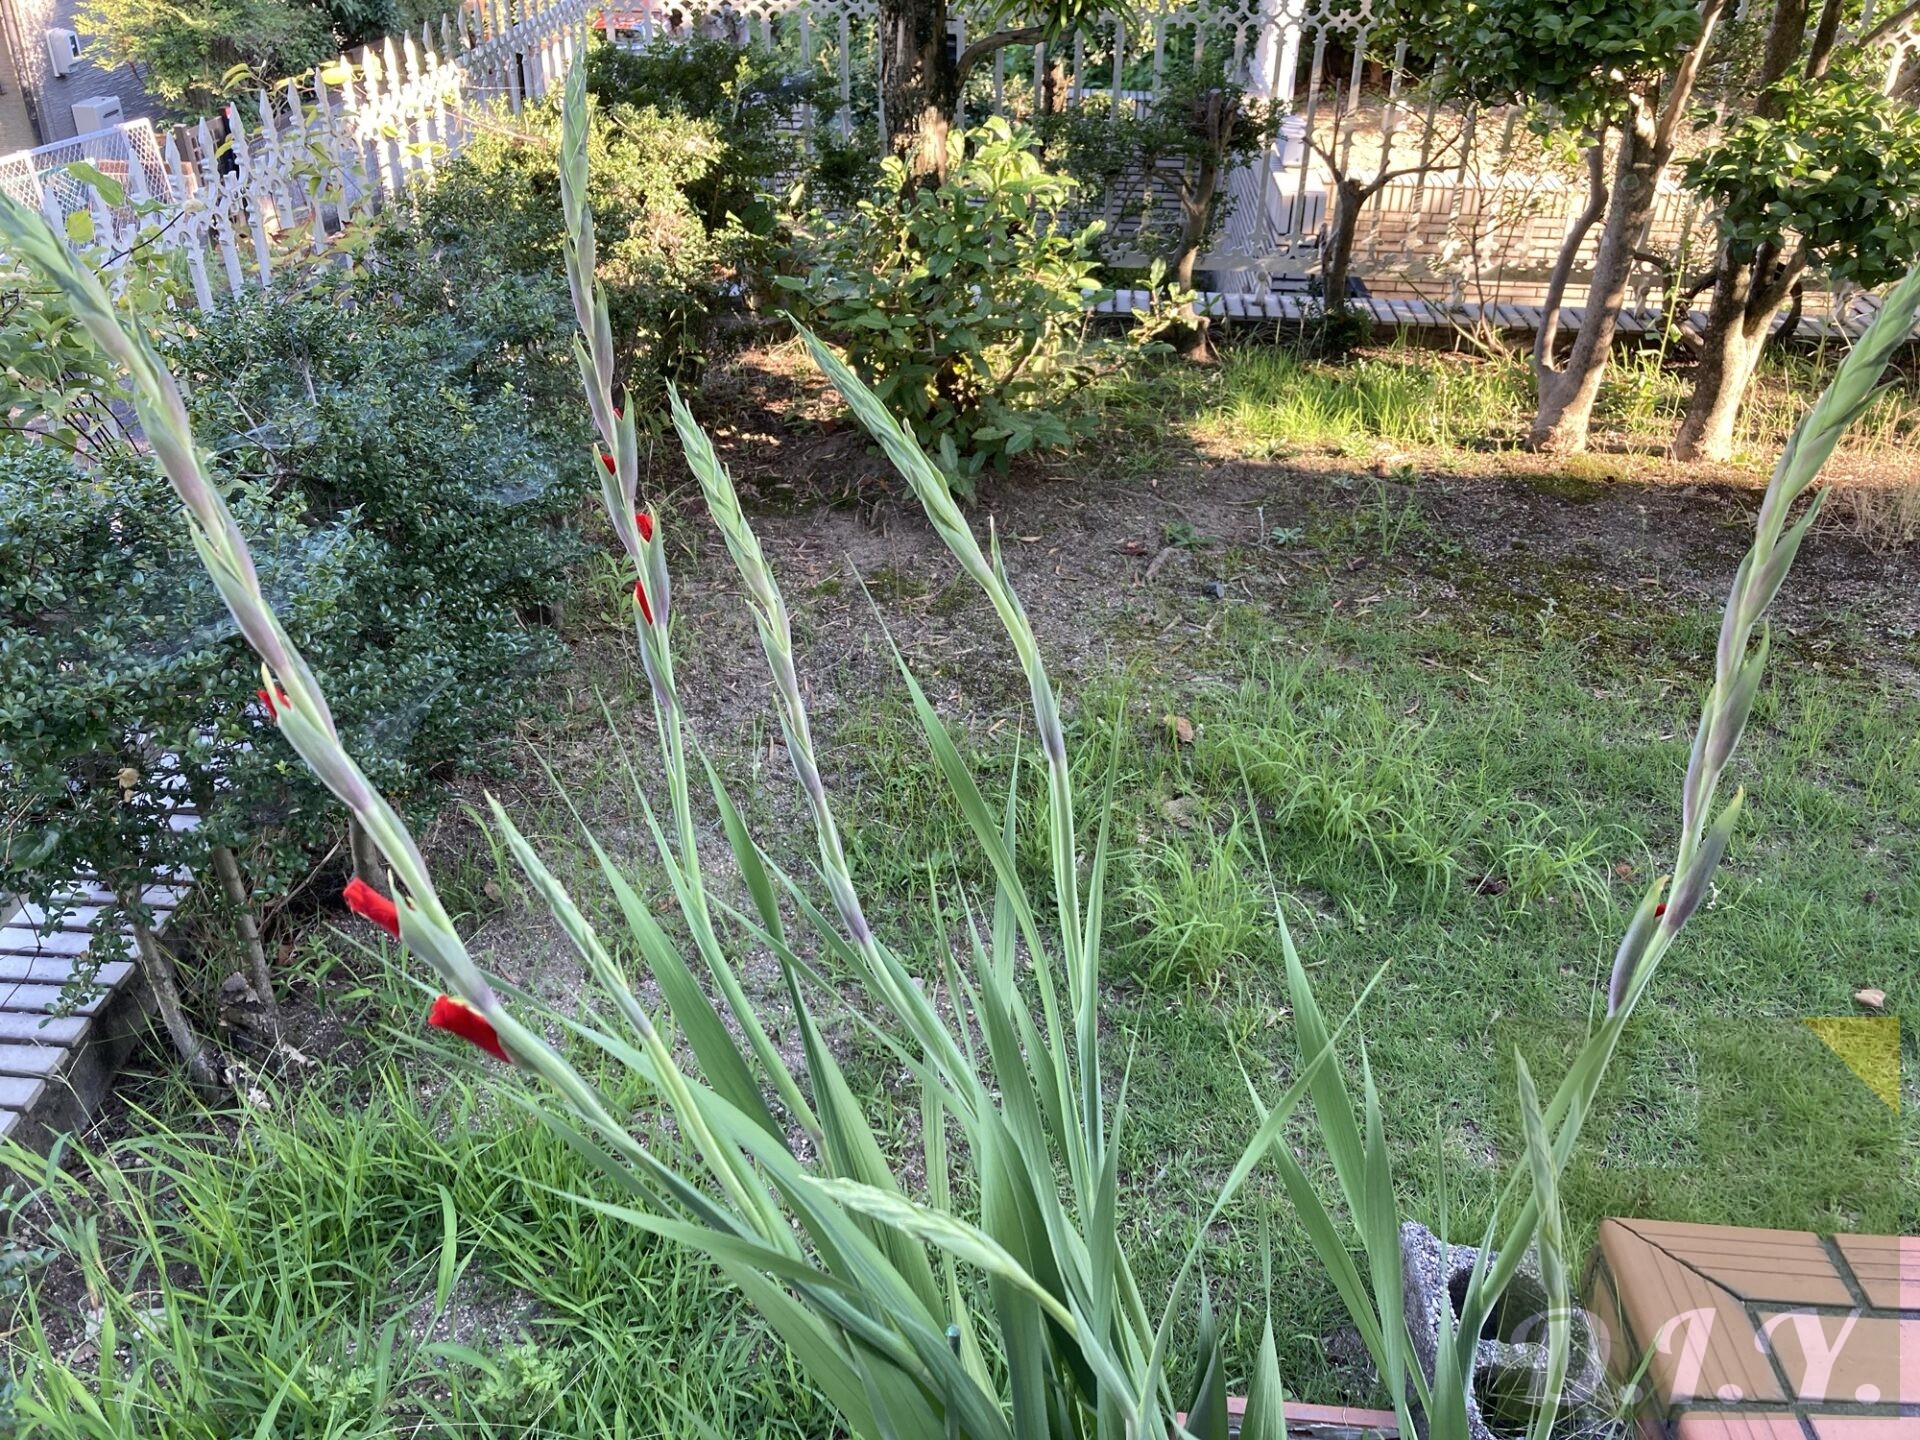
{"x": 1479, "y": 216}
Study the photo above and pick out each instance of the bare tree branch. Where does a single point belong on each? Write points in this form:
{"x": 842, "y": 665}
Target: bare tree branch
{"x": 1570, "y": 243}
{"x": 1889, "y": 24}
{"x": 987, "y": 45}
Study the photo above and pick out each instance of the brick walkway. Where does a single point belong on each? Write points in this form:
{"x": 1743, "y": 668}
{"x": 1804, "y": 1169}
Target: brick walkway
{"x": 1764, "y": 1334}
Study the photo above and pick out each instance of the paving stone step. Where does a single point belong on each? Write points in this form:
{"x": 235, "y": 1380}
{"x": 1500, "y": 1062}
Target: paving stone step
{"x": 18, "y": 940}
{"x": 38, "y": 1061}
{"x": 25, "y": 997}
{"x": 20, "y": 1092}
{"x": 58, "y": 970}
{"x": 42, "y": 1029}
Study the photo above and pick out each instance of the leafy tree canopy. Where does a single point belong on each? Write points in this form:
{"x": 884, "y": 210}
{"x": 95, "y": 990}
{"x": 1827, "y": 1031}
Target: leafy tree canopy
{"x": 1577, "y": 57}
{"x": 1837, "y": 171}
{"x": 190, "y": 50}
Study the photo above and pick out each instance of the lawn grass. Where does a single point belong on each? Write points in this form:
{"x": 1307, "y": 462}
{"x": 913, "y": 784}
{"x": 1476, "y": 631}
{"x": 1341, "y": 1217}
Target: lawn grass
{"x": 391, "y": 1249}
{"x": 1477, "y": 802}
{"x": 1471, "y": 793}
{"x": 1265, "y": 401}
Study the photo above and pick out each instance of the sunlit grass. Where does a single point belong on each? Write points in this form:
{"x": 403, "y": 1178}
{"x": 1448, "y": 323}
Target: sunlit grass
{"x": 1266, "y": 401}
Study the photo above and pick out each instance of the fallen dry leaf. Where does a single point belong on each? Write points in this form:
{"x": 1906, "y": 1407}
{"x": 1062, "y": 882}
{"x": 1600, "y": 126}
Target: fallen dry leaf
{"x": 1181, "y": 727}
{"x": 1871, "y": 999}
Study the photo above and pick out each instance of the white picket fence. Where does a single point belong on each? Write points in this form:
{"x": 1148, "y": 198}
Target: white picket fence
{"x": 1478, "y": 218}
{"x": 270, "y": 180}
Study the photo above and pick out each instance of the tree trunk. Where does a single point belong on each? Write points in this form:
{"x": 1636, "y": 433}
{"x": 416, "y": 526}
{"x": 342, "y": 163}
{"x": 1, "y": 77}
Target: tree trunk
{"x": 1336, "y": 265}
{"x": 1786, "y": 31}
{"x": 1647, "y": 140}
{"x": 919, "y": 84}
{"x": 1570, "y": 243}
{"x": 156, "y": 967}
{"x": 1739, "y": 322}
{"x": 1727, "y": 356}
{"x": 1215, "y": 120}
{"x": 259, "y": 972}
{"x": 1825, "y": 33}
{"x": 1567, "y": 394}
{"x": 1196, "y": 200}
{"x": 1746, "y": 293}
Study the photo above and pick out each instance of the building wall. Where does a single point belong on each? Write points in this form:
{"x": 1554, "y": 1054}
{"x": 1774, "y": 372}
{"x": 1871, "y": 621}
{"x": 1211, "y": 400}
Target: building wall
{"x": 16, "y": 121}
{"x": 53, "y": 97}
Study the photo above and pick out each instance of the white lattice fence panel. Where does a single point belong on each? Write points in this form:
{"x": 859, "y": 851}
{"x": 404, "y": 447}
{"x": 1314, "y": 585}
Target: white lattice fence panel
{"x": 1479, "y": 207}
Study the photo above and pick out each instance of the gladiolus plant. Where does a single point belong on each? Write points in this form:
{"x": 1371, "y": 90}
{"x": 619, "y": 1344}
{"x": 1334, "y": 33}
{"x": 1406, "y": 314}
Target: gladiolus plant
{"x": 1000, "y": 1305}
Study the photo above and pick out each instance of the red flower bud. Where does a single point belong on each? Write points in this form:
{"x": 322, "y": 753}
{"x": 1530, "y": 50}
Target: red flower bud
{"x": 643, "y": 522}
{"x": 640, "y": 599}
{"x": 369, "y": 904}
{"x": 456, "y": 1017}
{"x": 1660, "y": 909}
{"x": 268, "y": 699}
{"x": 607, "y": 460}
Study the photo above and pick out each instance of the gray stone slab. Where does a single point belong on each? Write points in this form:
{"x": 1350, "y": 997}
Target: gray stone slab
{"x": 35, "y": 1060}
{"x": 87, "y": 890}
{"x": 62, "y": 1031}
{"x": 57, "y": 970}
{"x": 18, "y": 1092}
{"x": 34, "y": 917}
{"x": 29, "y": 999}
{"x": 18, "y": 940}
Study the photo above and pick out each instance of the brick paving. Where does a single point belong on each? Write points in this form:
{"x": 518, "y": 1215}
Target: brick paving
{"x": 1763, "y": 1334}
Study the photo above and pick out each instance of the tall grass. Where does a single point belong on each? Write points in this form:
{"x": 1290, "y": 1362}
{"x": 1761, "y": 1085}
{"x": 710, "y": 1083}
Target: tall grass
{"x": 1273, "y": 398}
{"x": 361, "y": 1258}
{"x": 1267, "y": 400}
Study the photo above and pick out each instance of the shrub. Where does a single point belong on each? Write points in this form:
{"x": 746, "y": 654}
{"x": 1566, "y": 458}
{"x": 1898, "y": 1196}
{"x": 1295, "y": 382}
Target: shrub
{"x": 457, "y": 490}
{"x": 751, "y": 96}
{"x": 491, "y": 223}
{"x": 696, "y": 136}
{"x": 412, "y": 509}
{"x": 963, "y": 304}
{"x": 125, "y": 689}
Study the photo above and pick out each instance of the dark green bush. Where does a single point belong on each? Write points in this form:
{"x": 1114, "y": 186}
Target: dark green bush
{"x": 458, "y": 488}
{"x": 695, "y": 140}
{"x": 411, "y": 514}
{"x": 753, "y": 97}
{"x": 964, "y": 304}
{"x": 124, "y": 685}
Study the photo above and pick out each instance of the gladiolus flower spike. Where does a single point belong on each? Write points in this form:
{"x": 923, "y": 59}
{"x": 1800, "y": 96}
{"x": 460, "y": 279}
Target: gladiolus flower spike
{"x": 369, "y": 904}
{"x": 456, "y": 1017}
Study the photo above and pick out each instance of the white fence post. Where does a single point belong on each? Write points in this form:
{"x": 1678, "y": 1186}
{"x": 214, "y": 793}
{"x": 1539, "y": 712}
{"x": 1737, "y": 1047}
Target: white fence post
{"x": 327, "y": 149}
